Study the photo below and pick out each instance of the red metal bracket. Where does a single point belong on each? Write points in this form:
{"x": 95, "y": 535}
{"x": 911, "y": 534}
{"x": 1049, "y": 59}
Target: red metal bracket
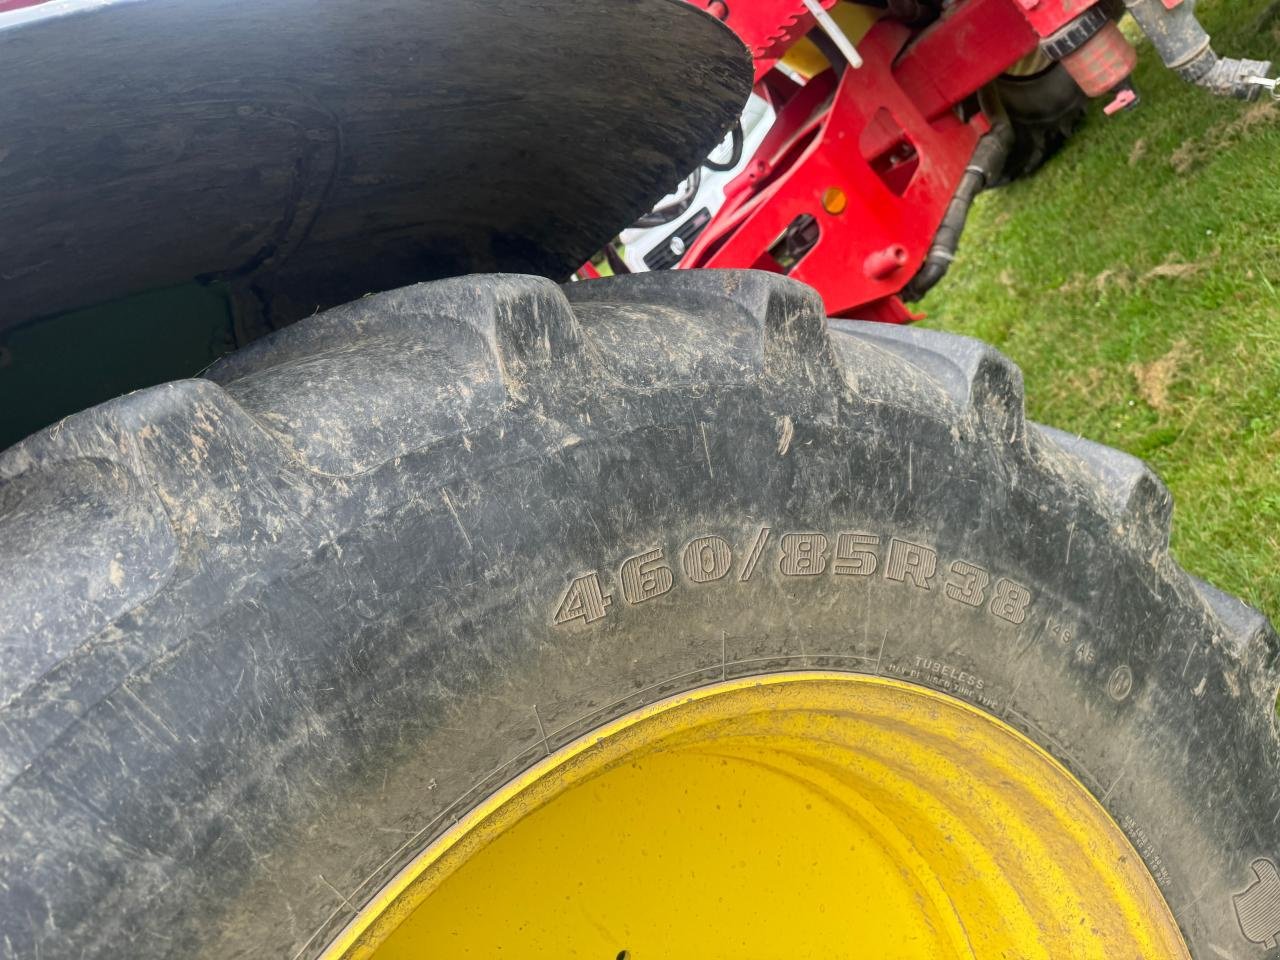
{"x": 895, "y": 167}
{"x": 767, "y": 28}
{"x": 1047, "y": 17}
{"x": 971, "y": 45}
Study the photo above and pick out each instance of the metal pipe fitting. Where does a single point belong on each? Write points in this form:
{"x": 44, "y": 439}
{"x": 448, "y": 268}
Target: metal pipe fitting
{"x": 1185, "y": 46}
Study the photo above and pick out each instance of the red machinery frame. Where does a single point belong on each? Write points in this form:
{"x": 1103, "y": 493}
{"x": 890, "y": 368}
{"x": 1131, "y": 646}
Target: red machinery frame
{"x": 873, "y": 156}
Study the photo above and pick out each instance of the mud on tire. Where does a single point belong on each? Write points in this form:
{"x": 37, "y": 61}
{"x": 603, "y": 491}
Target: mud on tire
{"x": 266, "y": 633}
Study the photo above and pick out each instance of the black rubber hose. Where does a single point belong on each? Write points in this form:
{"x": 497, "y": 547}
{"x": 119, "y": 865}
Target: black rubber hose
{"x": 735, "y": 153}
{"x": 659, "y": 216}
{"x": 827, "y": 47}
{"x": 983, "y": 170}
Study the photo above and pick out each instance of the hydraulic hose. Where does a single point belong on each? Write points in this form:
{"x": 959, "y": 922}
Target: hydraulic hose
{"x": 735, "y": 153}
{"x": 660, "y": 216}
{"x": 983, "y": 170}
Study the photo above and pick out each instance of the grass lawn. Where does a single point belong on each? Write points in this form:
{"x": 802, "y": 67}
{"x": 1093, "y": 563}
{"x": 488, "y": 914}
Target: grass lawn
{"x": 1136, "y": 280}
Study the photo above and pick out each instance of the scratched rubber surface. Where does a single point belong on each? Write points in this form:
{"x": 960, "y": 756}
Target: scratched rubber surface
{"x": 267, "y": 633}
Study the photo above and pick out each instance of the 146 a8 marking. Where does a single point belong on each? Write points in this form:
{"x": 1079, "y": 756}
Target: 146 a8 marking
{"x": 651, "y": 573}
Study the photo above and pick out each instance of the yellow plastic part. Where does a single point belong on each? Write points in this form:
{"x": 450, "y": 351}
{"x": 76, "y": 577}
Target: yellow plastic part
{"x": 1037, "y": 61}
{"x": 853, "y": 19}
{"x": 814, "y": 815}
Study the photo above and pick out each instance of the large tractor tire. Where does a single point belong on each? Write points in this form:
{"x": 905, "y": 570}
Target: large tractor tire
{"x": 649, "y": 618}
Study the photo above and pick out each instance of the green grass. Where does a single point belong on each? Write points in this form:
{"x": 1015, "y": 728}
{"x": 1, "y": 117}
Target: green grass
{"x": 1136, "y": 281}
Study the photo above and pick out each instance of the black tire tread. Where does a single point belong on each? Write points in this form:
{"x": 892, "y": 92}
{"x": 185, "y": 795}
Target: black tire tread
{"x": 193, "y": 476}
{"x": 514, "y": 336}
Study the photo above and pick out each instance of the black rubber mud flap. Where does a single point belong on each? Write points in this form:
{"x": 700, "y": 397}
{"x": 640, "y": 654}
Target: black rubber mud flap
{"x": 266, "y": 633}
{"x": 309, "y": 152}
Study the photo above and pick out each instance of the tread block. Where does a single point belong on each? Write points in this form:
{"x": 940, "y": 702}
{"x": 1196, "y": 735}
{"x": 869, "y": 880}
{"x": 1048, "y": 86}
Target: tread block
{"x": 82, "y": 541}
{"x": 878, "y": 375}
{"x": 95, "y": 511}
{"x": 181, "y": 442}
{"x": 977, "y": 377}
{"x": 727, "y": 325}
{"x": 1132, "y": 495}
{"x": 357, "y": 386}
{"x": 1243, "y": 629}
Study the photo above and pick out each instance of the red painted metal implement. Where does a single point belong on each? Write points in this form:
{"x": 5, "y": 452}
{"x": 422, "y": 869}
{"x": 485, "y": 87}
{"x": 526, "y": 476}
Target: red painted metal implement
{"x": 864, "y": 135}
{"x": 892, "y": 133}
{"x": 891, "y": 136}
{"x": 768, "y": 28}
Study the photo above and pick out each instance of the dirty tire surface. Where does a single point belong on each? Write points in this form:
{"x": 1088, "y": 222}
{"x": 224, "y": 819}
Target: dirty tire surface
{"x": 266, "y": 633}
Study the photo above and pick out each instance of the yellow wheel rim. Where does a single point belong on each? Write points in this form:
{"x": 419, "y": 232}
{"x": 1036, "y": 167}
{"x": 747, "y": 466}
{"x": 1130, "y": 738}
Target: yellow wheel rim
{"x": 802, "y": 815}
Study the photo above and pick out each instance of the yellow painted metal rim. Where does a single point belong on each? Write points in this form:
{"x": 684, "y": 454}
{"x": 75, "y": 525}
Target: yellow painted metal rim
{"x": 796, "y": 815}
